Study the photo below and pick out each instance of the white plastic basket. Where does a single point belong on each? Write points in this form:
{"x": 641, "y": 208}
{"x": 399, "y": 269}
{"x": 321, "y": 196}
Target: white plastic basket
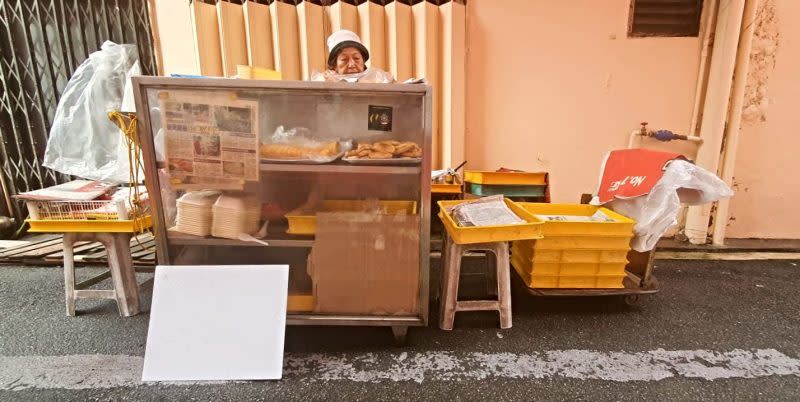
{"x": 111, "y": 216}
{"x": 106, "y": 210}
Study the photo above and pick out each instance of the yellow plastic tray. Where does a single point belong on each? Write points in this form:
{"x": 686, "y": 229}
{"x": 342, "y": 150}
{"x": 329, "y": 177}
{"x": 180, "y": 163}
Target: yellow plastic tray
{"x": 487, "y": 234}
{"x": 438, "y": 188}
{"x": 512, "y": 178}
{"x": 580, "y": 242}
{"x": 88, "y": 226}
{"x": 566, "y": 281}
{"x": 303, "y": 223}
{"x": 622, "y": 226}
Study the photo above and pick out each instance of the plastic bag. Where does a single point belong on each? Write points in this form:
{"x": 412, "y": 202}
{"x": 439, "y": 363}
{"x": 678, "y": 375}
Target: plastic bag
{"x": 657, "y": 211}
{"x": 83, "y": 141}
{"x": 128, "y": 102}
{"x": 370, "y": 75}
{"x": 296, "y": 144}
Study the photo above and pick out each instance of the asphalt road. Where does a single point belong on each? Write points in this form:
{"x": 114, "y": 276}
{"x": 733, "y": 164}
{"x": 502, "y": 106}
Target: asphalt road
{"x": 717, "y": 331}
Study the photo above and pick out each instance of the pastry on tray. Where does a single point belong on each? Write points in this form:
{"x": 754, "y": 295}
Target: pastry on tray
{"x": 287, "y": 151}
{"x": 389, "y": 149}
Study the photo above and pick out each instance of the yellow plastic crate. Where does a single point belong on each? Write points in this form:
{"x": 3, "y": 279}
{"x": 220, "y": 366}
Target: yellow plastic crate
{"x": 622, "y": 226}
{"x": 511, "y": 178}
{"x": 304, "y": 223}
{"x": 299, "y": 303}
{"x": 540, "y": 255}
{"x": 555, "y": 266}
{"x": 89, "y": 226}
{"x": 257, "y": 73}
{"x": 544, "y": 281}
{"x": 580, "y": 242}
{"x": 487, "y": 234}
{"x": 572, "y": 253}
{"x": 440, "y": 188}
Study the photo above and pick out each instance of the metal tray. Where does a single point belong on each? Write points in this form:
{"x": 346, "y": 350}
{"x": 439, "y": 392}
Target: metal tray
{"x": 392, "y": 161}
{"x": 304, "y": 161}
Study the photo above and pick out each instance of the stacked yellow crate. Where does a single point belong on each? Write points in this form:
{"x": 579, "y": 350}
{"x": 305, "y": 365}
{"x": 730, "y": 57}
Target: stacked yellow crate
{"x": 512, "y": 184}
{"x": 574, "y": 253}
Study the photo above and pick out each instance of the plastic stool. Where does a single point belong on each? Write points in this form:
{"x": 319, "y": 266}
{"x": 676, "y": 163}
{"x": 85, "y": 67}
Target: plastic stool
{"x": 121, "y": 272}
{"x": 451, "y": 270}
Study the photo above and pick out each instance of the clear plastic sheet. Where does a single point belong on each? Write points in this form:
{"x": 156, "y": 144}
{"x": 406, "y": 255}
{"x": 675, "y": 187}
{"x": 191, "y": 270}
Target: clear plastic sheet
{"x": 657, "y": 211}
{"x": 83, "y": 142}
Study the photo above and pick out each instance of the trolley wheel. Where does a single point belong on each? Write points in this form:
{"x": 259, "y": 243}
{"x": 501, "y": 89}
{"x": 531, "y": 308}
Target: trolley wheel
{"x": 400, "y": 335}
{"x": 630, "y": 300}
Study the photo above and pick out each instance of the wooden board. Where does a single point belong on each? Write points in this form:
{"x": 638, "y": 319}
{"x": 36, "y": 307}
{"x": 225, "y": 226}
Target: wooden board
{"x": 7, "y": 244}
{"x": 371, "y": 23}
{"x": 232, "y": 36}
{"x": 399, "y": 40}
{"x": 312, "y": 38}
{"x": 50, "y": 251}
{"x": 453, "y": 26}
{"x": 427, "y": 45}
{"x": 342, "y": 16}
{"x": 47, "y": 250}
{"x": 206, "y": 39}
{"x": 258, "y": 30}
{"x": 79, "y": 248}
{"x": 8, "y": 253}
{"x": 285, "y": 40}
{"x": 173, "y": 37}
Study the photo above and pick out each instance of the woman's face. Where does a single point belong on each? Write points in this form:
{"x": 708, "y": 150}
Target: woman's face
{"x": 349, "y": 61}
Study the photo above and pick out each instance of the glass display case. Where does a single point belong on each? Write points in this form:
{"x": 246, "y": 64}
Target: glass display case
{"x": 332, "y": 179}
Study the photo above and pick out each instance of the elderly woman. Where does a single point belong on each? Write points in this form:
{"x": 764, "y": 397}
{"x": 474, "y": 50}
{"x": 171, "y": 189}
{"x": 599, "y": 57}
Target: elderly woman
{"x": 347, "y": 61}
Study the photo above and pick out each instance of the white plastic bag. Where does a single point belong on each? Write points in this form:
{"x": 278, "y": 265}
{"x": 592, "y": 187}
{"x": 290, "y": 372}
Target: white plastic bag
{"x": 657, "y": 211}
{"x": 83, "y": 141}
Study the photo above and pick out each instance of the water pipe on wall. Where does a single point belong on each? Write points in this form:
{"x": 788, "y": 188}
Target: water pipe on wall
{"x": 661, "y": 135}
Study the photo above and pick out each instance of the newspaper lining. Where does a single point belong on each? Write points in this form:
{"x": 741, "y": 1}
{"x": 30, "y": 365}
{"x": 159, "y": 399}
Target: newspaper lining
{"x": 487, "y": 211}
{"x": 210, "y": 137}
{"x": 598, "y": 216}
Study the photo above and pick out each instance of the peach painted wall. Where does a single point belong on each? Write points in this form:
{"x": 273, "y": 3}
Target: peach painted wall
{"x": 553, "y": 85}
{"x": 767, "y": 164}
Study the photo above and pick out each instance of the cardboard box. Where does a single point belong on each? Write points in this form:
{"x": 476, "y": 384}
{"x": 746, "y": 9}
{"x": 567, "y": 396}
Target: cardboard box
{"x": 365, "y": 263}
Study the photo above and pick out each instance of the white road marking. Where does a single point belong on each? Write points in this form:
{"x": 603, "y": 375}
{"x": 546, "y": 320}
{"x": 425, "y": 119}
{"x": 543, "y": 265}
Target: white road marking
{"x": 109, "y": 371}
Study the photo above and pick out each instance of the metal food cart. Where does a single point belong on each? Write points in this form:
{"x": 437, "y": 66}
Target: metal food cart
{"x": 325, "y": 293}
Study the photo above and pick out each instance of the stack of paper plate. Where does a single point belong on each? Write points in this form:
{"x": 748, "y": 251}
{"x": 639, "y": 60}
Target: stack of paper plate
{"x": 234, "y": 215}
{"x": 194, "y": 212}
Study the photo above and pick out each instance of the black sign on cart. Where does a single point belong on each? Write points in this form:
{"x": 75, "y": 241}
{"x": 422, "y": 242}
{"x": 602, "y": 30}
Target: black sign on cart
{"x": 380, "y": 118}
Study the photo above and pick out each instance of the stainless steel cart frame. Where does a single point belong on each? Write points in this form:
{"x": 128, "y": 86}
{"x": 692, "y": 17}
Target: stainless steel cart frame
{"x": 145, "y": 87}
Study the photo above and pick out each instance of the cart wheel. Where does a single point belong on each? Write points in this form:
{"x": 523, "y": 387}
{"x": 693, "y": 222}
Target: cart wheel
{"x": 630, "y": 300}
{"x": 399, "y": 335}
